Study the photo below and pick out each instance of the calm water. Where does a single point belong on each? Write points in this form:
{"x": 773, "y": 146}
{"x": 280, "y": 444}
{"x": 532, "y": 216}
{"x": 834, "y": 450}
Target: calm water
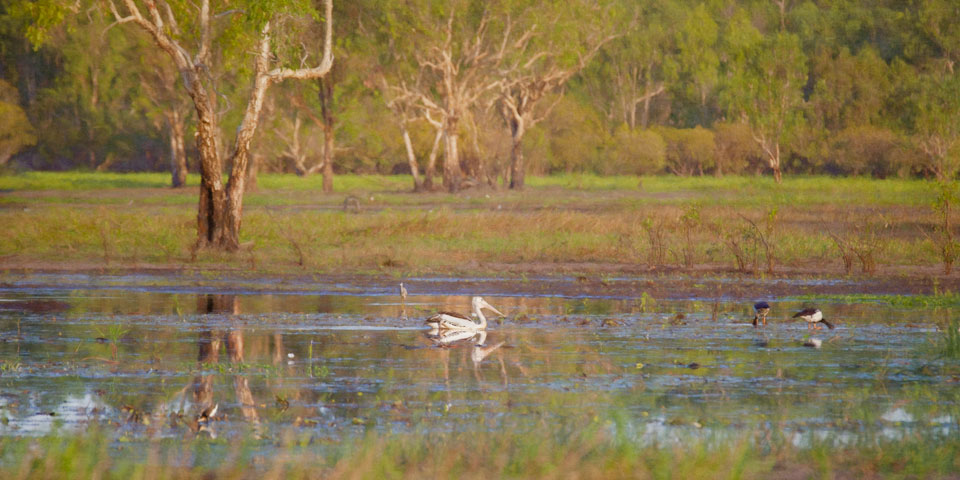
{"x": 146, "y": 361}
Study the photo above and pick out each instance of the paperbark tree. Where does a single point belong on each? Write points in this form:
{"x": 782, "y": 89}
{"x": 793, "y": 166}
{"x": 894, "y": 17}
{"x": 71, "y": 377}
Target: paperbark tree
{"x": 635, "y": 68}
{"x": 448, "y": 62}
{"x": 403, "y": 103}
{"x": 461, "y": 67}
{"x": 765, "y": 88}
{"x": 937, "y": 124}
{"x": 538, "y": 69}
{"x": 518, "y": 103}
{"x": 158, "y": 80}
{"x": 221, "y": 206}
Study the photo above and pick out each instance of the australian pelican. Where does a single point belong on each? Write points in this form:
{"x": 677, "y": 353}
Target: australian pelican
{"x": 459, "y": 321}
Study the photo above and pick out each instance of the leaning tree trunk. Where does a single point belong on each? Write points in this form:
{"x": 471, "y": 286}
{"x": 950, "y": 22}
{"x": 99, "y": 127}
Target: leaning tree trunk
{"x": 241, "y": 154}
{"x": 178, "y": 151}
{"x": 411, "y": 159}
{"x": 328, "y": 160}
{"x": 431, "y": 170}
{"x": 325, "y": 92}
{"x": 775, "y": 164}
{"x": 451, "y": 159}
{"x": 516, "y": 154}
{"x": 213, "y": 194}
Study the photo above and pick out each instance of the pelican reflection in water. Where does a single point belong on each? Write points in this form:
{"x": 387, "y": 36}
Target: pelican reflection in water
{"x": 459, "y": 321}
{"x": 450, "y": 338}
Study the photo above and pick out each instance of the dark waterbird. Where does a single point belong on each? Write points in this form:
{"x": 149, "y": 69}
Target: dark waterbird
{"x": 762, "y": 309}
{"x": 813, "y": 316}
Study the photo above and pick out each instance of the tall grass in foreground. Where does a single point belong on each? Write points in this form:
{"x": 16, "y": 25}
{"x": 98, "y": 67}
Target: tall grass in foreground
{"x": 593, "y": 452}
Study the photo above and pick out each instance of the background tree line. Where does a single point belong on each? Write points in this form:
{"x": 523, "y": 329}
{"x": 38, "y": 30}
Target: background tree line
{"x": 466, "y": 92}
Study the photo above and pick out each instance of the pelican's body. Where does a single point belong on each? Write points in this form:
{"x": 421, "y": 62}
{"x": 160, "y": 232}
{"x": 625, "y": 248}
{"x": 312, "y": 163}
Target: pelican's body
{"x": 813, "y": 317}
{"x": 459, "y": 321}
{"x": 762, "y": 309}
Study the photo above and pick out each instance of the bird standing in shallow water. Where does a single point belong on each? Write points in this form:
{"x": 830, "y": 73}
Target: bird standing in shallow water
{"x": 813, "y": 316}
{"x": 459, "y": 321}
{"x": 403, "y": 301}
{"x": 762, "y": 309}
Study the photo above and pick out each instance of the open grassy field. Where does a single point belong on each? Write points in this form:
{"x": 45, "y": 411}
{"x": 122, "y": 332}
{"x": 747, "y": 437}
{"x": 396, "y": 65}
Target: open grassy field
{"x": 810, "y": 225}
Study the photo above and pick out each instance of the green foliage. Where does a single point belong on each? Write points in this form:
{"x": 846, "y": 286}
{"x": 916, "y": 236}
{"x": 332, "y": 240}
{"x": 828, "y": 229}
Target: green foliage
{"x": 766, "y": 85}
{"x": 850, "y": 90}
{"x": 40, "y": 17}
{"x": 16, "y": 132}
{"x": 698, "y": 60}
{"x": 575, "y": 140}
{"x": 735, "y": 148}
{"x": 689, "y": 151}
{"x": 634, "y": 152}
{"x": 876, "y": 151}
{"x": 936, "y": 128}
{"x": 939, "y": 300}
{"x": 837, "y": 87}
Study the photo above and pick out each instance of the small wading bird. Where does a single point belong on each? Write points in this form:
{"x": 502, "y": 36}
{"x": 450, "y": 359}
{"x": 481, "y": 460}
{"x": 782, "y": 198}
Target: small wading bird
{"x": 813, "y": 316}
{"x": 459, "y": 321}
{"x": 762, "y": 309}
{"x": 403, "y": 293}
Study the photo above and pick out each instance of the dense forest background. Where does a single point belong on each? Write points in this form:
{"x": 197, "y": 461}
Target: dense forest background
{"x": 714, "y": 87}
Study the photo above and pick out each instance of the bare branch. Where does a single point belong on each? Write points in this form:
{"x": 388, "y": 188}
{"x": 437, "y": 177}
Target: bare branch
{"x": 326, "y": 62}
{"x": 205, "y": 37}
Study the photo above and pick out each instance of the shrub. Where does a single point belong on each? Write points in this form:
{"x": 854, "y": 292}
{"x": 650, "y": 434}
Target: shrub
{"x": 634, "y": 152}
{"x": 689, "y": 151}
{"x": 866, "y": 149}
{"x": 735, "y": 149}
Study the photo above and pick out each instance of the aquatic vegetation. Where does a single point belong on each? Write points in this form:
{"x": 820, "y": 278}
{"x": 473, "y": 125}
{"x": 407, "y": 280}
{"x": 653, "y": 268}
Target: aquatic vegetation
{"x": 950, "y": 342}
{"x": 939, "y": 300}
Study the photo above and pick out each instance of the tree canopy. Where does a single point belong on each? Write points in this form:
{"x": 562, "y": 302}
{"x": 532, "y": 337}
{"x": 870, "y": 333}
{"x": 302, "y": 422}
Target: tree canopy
{"x": 458, "y": 89}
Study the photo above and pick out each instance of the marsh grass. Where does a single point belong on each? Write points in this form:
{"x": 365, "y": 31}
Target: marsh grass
{"x": 123, "y": 219}
{"x": 592, "y": 450}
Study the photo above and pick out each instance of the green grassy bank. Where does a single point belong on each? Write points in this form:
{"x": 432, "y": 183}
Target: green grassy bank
{"x": 750, "y": 224}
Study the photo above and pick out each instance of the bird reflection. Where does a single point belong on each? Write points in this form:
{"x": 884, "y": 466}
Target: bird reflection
{"x": 481, "y": 350}
{"x": 450, "y": 338}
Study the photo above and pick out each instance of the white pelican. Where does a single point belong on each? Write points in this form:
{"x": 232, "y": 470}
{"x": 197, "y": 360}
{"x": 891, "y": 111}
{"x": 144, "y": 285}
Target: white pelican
{"x": 813, "y": 316}
{"x": 459, "y": 321}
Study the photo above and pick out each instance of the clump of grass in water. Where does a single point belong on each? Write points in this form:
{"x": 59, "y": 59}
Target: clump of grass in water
{"x": 950, "y": 342}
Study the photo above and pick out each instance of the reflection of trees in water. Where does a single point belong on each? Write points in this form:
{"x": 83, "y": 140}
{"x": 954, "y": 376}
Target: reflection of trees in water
{"x": 208, "y": 346}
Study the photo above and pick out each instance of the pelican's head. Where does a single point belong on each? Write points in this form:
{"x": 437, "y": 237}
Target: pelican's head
{"x": 479, "y": 302}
